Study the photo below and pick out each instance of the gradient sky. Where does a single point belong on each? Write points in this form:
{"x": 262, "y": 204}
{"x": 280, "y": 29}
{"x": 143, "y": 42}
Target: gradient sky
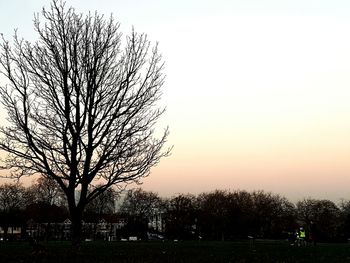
{"x": 257, "y": 92}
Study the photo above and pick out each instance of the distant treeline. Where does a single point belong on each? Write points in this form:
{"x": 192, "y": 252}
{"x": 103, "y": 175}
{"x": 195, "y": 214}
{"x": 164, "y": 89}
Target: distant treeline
{"x": 217, "y": 215}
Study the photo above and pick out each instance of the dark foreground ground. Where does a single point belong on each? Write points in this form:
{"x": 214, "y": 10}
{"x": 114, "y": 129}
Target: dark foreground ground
{"x": 168, "y": 251}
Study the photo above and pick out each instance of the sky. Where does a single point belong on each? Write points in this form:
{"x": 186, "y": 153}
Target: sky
{"x": 257, "y": 92}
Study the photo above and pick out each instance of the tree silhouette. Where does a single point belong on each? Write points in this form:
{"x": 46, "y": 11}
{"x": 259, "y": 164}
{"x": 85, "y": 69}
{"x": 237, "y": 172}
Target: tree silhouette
{"x": 81, "y": 107}
{"x": 181, "y": 217}
{"x": 45, "y": 190}
{"x": 139, "y": 206}
{"x": 104, "y": 203}
{"x": 12, "y": 199}
{"x": 323, "y": 214}
{"x": 140, "y": 203}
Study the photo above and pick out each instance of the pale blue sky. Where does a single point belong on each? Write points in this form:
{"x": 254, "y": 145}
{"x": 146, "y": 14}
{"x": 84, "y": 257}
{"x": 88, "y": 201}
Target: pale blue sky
{"x": 257, "y": 92}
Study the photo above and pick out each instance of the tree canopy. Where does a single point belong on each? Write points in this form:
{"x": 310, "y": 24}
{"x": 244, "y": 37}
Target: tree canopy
{"x": 82, "y": 104}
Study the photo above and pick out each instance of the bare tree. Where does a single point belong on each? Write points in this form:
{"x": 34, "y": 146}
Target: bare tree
{"x": 141, "y": 207}
{"x": 11, "y": 197}
{"x": 81, "y": 107}
{"x": 104, "y": 203}
{"x": 140, "y": 203}
{"x": 181, "y": 217}
{"x": 46, "y": 190}
{"x": 12, "y": 200}
{"x": 324, "y": 215}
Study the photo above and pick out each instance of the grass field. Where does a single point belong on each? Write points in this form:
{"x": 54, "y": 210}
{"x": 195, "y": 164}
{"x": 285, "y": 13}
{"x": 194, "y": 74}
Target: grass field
{"x": 135, "y": 252}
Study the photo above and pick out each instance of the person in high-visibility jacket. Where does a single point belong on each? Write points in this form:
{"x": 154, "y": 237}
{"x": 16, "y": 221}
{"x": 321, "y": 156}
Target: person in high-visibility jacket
{"x": 301, "y": 237}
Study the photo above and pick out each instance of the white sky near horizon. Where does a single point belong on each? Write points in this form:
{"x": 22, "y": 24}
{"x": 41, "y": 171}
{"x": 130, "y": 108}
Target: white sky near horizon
{"x": 257, "y": 92}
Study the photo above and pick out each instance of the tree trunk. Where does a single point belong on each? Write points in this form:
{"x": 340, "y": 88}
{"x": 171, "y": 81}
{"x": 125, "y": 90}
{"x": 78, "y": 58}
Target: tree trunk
{"x": 76, "y": 230}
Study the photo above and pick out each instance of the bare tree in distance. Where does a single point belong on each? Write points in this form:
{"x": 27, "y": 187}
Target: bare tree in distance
{"x": 104, "y": 203}
{"x": 12, "y": 199}
{"x": 140, "y": 203}
{"x": 82, "y": 105}
{"x": 141, "y": 207}
{"x": 46, "y": 190}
